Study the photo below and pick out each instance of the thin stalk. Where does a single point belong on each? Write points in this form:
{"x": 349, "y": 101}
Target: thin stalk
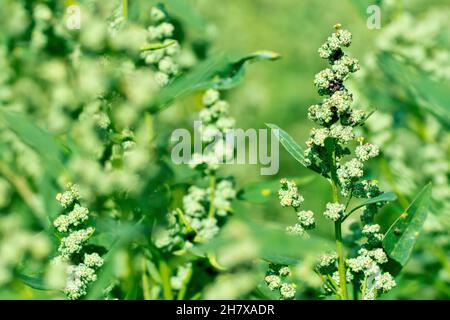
{"x": 355, "y": 290}
{"x": 341, "y": 263}
{"x": 164, "y": 273}
{"x": 125, "y": 8}
{"x": 145, "y": 281}
{"x": 338, "y": 231}
{"x": 212, "y": 188}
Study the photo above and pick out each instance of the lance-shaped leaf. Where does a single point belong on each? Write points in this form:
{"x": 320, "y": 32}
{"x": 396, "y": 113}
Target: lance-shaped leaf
{"x": 288, "y": 143}
{"x": 218, "y": 72}
{"x": 234, "y": 72}
{"x": 291, "y": 146}
{"x": 385, "y": 197}
{"x": 36, "y": 282}
{"x": 401, "y": 237}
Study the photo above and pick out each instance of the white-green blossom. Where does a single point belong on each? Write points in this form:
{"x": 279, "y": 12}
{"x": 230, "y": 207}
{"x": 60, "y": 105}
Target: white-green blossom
{"x": 288, "y": 194}
{"x": 327, "y": 263}
{"x": 74, "y": 243}
{"x": 366, "y": 151}
{"x": 384, "y": 282}
{"x": 306, "y": 219}
{"x": 334, "y": 211}
{"x": 287, "y": 291}
{"x": 210, "y": 97}
{"x": 163, "y": 60}
{"x": 75, "y": 217}
{"x": 341, "y": 38}
{"x": 273, "y": 281}
{"x": 284, "y": 271}
{"x": 67, "y": 198}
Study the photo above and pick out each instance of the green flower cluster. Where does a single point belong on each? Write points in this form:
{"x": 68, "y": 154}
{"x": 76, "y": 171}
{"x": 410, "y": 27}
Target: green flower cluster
{"x": 327, "y": 148}
{"x": 162, "y": 59}
{"x": 290, "y": 197}
{"x": 327, "y": 153}
{"x": 204, "y": 208}
{"x": 72, "y": 249}
{"x": 215, "y": 122}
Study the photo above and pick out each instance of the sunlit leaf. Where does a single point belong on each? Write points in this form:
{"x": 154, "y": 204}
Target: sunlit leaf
{"x": 34, "y": 282}
{"x": 384, "y": 197}
{"x": 291, "y": 146}
{"x": 218, "y": 72}
{"x": 401, "y": 237}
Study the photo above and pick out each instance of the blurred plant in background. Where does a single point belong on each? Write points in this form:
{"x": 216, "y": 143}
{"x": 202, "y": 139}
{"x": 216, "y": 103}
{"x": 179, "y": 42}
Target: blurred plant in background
{"x": 413, "y": 60}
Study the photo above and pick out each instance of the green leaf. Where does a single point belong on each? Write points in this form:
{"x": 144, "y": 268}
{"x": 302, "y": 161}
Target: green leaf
{"x": 290, "y": 145}
{"x": 262, "y": 192}
{"x": 43, "y": 142}
{"x": 233, "y": 74}
{"x": 401, "y": 237}
{"x": 385, "y": 197}
{"x": 34, "y": 282}
{"x": 218, "y": 72}
{"x": 190, "y": 82}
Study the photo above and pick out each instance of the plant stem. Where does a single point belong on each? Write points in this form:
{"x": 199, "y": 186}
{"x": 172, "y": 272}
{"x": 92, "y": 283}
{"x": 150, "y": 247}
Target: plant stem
{"x": 212, "y": 188}
{"x": 339, "y": 248}
{"x": 145, "y": 281}
{"x": 355, "y": 290}
{"x": 337, "y": 225}
{"x": 341, "y": 264}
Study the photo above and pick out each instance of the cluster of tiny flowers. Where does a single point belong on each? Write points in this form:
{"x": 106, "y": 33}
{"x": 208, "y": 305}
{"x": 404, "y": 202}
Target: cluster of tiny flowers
{"x": 326, "y": 148}
{"x": 334, "y": 211}
{"x": 290, "y": 197}
{"x": 335, "y": 115}
{"x": 196, "y": 216}
{"x": 204, "y": 209}
{"x": 75, "y": 217}
{"x": 180, "y": 277}
{"x": 73, "y": 243}
{"x": 275, "y": 279}
{"x": 288, "y": 194}
{"x": 162, "y": 59}
{"x": 215, "y": 122}
{"x": 81, "y": 275}
{"x": 67, "y": 198}
{"x": 367, "y": 265}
